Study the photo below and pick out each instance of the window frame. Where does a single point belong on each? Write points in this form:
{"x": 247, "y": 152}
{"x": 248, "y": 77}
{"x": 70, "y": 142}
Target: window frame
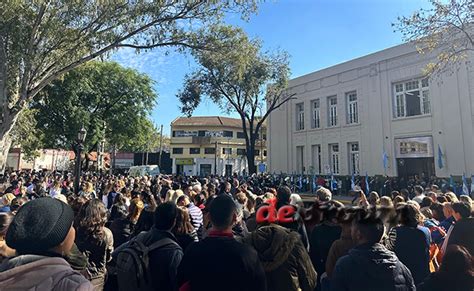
{"x": 402, "y": 89}
{"x": 225, "y": 133}
{"x": 240, "y": 134}
{"x": 180, "y": 151}
{"x": 354, "y": 155}
{"x": 352, "y": 108}
{"x": 299, "y": 116}
{"x": 229, "y": 151}
{"x": 316, "y": 113}
{"x": 335, "y": 158}
{"x": 241, "y": 152}
{"x": 210, "y": 153}
{"x": 317, "y": 168}
{"x": 332, "y": 112}
{"x": 192, "y": 151}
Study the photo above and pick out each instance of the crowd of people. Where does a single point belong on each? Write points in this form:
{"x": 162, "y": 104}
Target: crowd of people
{"x": 193, "y": 233}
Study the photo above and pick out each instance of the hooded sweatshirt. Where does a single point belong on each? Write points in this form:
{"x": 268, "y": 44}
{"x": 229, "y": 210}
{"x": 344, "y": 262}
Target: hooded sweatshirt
{"x": 284, "y": 258}
{"x": 371, "y": 267}
{"x": 33, "y": 272}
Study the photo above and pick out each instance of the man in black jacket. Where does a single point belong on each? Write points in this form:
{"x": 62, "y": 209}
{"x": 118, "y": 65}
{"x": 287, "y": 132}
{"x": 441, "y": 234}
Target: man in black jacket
{"x": 462, "y": 232}
{"x": 219, "y": 262}
{"x": 163, "y": 261}
{"x": 370, "y": 266}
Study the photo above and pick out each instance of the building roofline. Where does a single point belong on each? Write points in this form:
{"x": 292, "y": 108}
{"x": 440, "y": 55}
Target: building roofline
{"x": 356, "y": 63}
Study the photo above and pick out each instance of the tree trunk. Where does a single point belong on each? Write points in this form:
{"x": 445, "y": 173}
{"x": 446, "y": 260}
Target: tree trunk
{"x": 6, "y": 125}
{"x": 5, "y": 143}
{"x": 251, "y": 156}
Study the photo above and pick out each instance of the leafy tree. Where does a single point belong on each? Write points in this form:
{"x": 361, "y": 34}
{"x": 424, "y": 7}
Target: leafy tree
{"x": 42, "y": 40}
{"x": 446, "y": 29}
{"x": 111, "y": 102}
{"x": 240, "y": 78}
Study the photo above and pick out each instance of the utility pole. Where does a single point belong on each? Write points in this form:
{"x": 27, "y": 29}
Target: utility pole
{"x": 114, "y": 154}
{"x": 146, "y": 155}
{"x": 161, "y": 146}
{"x": 215, "y": 159}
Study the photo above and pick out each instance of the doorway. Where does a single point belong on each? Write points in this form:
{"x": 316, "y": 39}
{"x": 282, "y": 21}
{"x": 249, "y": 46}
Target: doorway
{"x": 422, "y": 167}
{"x": 179, "y": 169}
{"x": 228, "y": 170}
{"x": 205, "y": 170}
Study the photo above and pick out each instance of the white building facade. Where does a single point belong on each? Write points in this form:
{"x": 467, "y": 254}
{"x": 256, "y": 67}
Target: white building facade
{"x": 205, "y": 145}
{"x": 378, "y": 115}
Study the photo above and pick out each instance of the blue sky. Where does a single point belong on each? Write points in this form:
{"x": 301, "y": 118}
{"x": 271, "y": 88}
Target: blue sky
{"x": 316, "y": 33}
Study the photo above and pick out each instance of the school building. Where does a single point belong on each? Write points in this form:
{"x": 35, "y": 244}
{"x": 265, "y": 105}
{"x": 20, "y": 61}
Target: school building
{"x": 377, "y": 114}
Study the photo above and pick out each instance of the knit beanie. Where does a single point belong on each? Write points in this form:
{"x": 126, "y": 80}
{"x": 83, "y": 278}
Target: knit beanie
{"x": 39, "y": 225}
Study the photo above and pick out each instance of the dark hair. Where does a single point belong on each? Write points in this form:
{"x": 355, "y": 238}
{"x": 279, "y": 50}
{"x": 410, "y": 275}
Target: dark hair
{"x": 346, "y": 215}
{"x": 419, "y": 189}
{"x": 5, "y": 220}
{"x": 457, "y": 262}
{"x": 441, "y": 199}
{"x": 199, "y": 199}
{"x": 221, "y": 211}
{"x": 408, "y": 215}
{"x": 118, "y": 212}
{"x": 119, "y": 199}
{"x": 181, "y": 199}
{"x": 222, "y": 187}
{"x": 394, "y": 194}
{"x": 437, "y": 209}
{"x": 149, "y": 199}
{"x": 331, "y": 210}
{"x": 426, "y": 202}
{"x": 405, "y": 194}
{"x": 369, "y": 225}
{"x": 462, "y": 208}
{"x": 165, "y": 215}
{"x": 91, "y": 219}
{"x": 283, "y": 196}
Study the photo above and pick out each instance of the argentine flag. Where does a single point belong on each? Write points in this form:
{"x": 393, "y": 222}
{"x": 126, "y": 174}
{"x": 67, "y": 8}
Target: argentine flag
{"x": 367, "y": 187}
{"x": 353, "y": 182}
{"x": 465, "y": 188}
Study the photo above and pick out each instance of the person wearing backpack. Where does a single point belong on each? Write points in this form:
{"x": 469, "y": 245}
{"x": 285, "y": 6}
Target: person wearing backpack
{"x": 150, "y": 261}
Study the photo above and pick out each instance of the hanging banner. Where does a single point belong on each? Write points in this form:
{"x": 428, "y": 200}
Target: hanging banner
{"x": 414, "y": 147}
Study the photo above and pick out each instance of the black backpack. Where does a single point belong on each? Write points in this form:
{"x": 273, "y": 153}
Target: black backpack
{"x": 132, "y": 265}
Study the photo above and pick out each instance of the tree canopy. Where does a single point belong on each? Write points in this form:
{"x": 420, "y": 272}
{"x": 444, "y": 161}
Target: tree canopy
{"x": 42, "y": 40}
{"x": 240, "y": 77}
{"x": 446, "y": 29}
{"x": 110, "y": 101}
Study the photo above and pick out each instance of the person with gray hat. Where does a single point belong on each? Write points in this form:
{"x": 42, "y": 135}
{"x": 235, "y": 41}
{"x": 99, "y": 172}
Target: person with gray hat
{"x": 42, "y": 234}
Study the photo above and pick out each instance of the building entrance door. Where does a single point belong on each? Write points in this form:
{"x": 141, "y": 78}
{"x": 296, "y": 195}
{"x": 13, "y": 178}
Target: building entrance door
{"x": 228, "y": 170}
{"x": 179, "y": 169}
{"x": 422, "y": 167}
{"x": 415, "y": 156}
{"x": 205, "y": 169}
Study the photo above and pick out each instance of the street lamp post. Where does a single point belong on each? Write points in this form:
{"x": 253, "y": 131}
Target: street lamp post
{"x": 81, "y": 137}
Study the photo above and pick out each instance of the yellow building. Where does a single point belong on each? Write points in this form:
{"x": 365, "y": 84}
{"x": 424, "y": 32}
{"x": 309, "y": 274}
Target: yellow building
{"x": 204, "y": 145}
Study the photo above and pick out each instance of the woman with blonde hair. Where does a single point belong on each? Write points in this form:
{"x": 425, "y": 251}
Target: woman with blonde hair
{"x": 385, "y": 201}
{"x": 55, "y": 189}
{"x": 374, "y": 198}
{"x": 135, "y": 209}
{"x": 88, "y": 190}
{"x": 172, "y": 195}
